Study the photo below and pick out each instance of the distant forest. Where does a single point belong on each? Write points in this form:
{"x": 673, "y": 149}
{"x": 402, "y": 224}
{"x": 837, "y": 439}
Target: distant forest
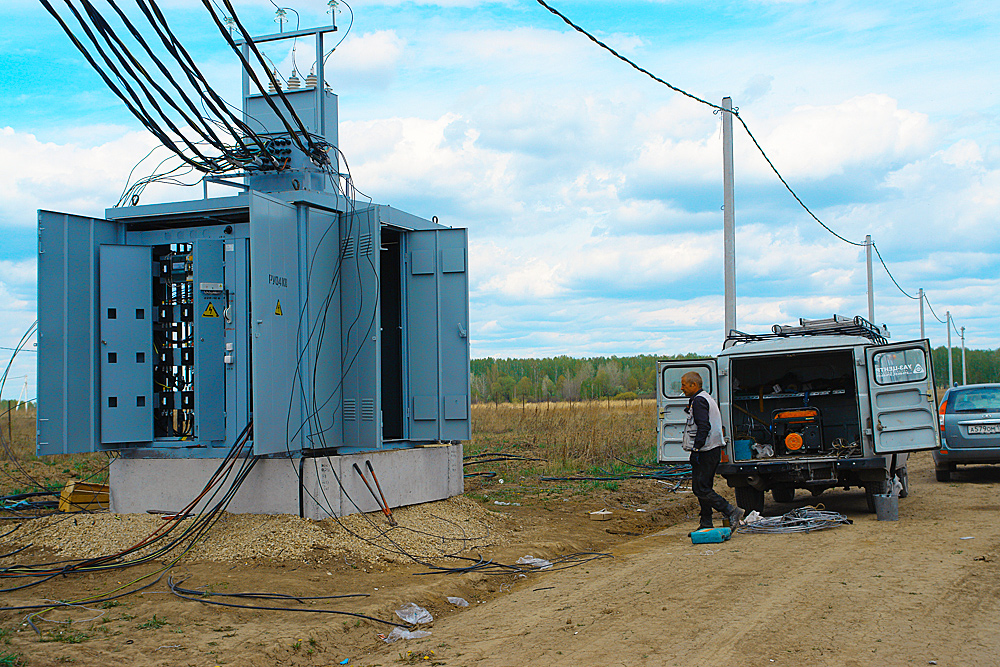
{"x": 567, "y": 379}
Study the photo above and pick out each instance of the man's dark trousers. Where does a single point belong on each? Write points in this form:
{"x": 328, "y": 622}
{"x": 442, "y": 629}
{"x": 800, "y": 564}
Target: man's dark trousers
{"x": 703, "y": 465}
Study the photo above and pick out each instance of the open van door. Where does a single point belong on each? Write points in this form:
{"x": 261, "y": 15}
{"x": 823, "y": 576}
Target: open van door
{"x": 901, "y": 390}
{"x": 671, "y": 401}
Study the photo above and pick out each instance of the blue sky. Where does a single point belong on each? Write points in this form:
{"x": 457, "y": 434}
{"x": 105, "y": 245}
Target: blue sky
{"x": 592, "y": 194}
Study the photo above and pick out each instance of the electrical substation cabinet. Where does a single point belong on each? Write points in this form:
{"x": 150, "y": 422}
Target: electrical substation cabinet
{"x": 333, "y": 326}
{"x": 829, "y": 403}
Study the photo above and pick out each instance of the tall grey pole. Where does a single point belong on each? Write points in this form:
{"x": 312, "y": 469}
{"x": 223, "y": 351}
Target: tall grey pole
{"x": 964, "y": 380}
{"x": 921, "y": 293}
{"x": 729, "y": 217}
{"x": 947, "y": 323}
{"x": 871, "y": 292}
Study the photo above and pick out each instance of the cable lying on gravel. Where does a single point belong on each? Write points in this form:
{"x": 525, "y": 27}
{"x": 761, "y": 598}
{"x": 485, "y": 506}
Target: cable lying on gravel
{"x": 801, "y": 520}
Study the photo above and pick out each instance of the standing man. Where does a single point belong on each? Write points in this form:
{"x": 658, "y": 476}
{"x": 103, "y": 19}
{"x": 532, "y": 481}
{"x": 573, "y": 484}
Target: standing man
{"x": 703, "y": 438}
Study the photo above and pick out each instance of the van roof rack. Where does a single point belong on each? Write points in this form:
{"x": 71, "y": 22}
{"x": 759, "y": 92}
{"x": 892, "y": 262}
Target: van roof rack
{"x": 838, "y": 325}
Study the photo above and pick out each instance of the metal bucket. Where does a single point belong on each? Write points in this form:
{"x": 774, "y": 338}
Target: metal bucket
{"x": 886, "y": 507}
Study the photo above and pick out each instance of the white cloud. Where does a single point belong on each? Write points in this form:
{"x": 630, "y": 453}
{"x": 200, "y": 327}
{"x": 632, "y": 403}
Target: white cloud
{"x": 368, "y": 60}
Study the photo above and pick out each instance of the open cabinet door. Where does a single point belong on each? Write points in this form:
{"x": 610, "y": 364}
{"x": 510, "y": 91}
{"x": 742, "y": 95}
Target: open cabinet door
{"x": 901, "y": 390}
{"x": 437, "y": 345}
{"x": 671, "y": 401}
{"x": 69, "y": 359}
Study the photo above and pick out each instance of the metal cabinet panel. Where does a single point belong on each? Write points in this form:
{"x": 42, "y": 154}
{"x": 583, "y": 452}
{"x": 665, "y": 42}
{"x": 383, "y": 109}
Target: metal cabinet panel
{"x": 360, "y": 328}
{"x": 68, "y": 334}
{"x": 126, "y": 344}
{"x": 274, "y": 284}
{"x": 437, "y": 340}
{"x": 209, "y": 341}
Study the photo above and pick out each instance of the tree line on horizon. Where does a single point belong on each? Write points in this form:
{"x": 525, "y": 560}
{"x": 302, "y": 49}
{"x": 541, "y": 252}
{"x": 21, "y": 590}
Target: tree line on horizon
{"x": 564, "y": 378}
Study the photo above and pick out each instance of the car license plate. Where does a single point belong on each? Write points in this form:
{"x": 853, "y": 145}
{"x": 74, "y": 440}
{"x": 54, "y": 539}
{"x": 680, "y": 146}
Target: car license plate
{"x": 984, "y": 428}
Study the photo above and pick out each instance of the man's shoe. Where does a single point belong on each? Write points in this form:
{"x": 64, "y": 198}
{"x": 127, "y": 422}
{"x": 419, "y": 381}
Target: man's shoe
{"x": 735, "y": 520}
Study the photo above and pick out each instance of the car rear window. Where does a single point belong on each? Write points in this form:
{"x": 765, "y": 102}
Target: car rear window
{"x": 982, "y": 399}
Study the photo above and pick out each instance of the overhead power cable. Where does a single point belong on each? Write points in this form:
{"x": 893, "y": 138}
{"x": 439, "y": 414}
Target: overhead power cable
{"x": 735, "y": 112}
{"x": 902, "y": 291}
{"x": 718, "y": 109}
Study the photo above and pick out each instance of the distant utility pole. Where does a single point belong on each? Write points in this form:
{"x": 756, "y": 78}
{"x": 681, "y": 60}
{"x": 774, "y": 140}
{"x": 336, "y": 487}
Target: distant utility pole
{"x": 729, "y": 211}
{"x": 921, "y": 293}
{"x": 947, "y": 323}
{"x": 871, "y": 292}
{"x": 964, "y": 380}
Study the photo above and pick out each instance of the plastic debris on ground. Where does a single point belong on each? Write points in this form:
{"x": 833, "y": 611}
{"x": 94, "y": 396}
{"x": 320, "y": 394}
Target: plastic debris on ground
{"x": 802, "y": 520}
{"x": 413, "y": 613}
{"x": 400, "y": 633}
{"x": 540, "y": 563}
{"x": 458, "y": 602}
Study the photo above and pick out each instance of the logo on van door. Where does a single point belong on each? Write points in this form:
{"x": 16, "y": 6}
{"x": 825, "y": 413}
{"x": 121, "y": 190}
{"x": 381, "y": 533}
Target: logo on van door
{"x": 900, "y": 366}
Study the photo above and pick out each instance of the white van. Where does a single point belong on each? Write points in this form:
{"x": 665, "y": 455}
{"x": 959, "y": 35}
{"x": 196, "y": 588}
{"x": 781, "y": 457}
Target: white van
{"x": 829, "y": 403}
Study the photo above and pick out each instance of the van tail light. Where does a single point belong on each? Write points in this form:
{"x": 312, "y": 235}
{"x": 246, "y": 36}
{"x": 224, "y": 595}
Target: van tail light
{"x": 941, "y": 410}
{"x": 725, "y": 457}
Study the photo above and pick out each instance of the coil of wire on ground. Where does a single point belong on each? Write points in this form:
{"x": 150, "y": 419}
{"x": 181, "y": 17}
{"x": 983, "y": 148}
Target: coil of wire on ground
{"x": 801, "y": 520}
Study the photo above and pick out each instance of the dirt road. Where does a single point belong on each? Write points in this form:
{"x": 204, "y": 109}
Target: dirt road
{"x": 873, "y": 593}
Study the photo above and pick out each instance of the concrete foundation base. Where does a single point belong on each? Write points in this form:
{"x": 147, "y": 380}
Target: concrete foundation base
{"x": 329, "y": 485}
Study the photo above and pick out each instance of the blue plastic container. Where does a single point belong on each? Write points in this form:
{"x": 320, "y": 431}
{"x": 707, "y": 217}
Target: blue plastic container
{"x": 710, "y": 535}
{"x": 742, "y": 450}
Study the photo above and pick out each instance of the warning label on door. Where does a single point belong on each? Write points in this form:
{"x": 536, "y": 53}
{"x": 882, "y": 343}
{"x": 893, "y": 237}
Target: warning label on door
{"x": 277, "y": 309}
{"x": 210, "y": 311}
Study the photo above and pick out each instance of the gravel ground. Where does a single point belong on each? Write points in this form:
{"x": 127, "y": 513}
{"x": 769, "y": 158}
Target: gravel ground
{"x": 431, "y": 529}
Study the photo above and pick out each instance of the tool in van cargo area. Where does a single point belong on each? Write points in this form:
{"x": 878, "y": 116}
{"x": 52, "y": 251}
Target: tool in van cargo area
{"x": 799, "y": 430}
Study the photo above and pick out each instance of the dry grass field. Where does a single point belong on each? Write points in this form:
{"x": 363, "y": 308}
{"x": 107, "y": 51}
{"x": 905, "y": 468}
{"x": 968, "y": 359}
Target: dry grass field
{"x": 21, "y": 471}
{"x": 586, "y": 436}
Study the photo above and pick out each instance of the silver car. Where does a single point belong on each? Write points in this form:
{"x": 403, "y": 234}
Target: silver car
{"x": 969, "y": 418}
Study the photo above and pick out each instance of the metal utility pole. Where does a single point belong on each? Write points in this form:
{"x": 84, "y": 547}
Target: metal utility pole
{"x": 871, "y": 290}
{"x": 947, "y": 323}
{"x": 964, "y": 380}
{"x": 729, "y": 211}
{"x": 921, "y": 293}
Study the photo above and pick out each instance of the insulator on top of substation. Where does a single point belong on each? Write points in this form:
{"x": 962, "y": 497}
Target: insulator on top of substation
{"x": 311, "y": 79}
{"x": 293, "y": 82}
{"x": 274, "y": 77}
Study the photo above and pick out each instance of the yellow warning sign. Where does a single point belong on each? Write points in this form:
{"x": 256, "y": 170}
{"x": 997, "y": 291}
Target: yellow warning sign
{"x": 277, "y": 309}
{"x": 210, "y": 311}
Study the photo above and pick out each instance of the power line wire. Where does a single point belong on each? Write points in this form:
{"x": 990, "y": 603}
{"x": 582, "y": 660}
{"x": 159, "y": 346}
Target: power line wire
{"x": 877, "y": 253}
{"x": 735, "y": 112}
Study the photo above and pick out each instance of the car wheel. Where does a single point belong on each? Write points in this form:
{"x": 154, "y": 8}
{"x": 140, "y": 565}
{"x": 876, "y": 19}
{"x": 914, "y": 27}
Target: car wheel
{"x": 942, "y": 474}
{"x": 873, "y": 489}
{"x": 783, "y": 494}
{"x": 750, "y": 499}
{"x": 904, "y": 479}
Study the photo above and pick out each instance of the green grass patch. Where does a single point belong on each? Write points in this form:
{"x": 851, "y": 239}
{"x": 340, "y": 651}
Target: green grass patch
{"x": 152, "y": 623}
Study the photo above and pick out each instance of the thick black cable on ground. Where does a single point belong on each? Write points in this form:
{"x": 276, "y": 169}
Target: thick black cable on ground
{"x": 189, "y": 595}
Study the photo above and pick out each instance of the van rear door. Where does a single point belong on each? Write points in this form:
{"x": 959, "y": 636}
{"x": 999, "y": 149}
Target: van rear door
{"x": 901, "y": 390}
{"x": 671, "y": 401}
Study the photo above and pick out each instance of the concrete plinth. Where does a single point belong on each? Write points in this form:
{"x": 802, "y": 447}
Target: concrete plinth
{"x": 329, "y": 485}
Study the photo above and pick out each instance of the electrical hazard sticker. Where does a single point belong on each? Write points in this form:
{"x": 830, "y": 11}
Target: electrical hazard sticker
{"x": 210, "y": 311}
{"x": 277, "y": 309}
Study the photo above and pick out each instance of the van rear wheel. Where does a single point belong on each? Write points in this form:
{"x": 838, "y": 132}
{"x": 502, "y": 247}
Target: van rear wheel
{"x": 873, "y": 489}
{"x": 783, "y": 494}
{"x": 750, "y": 499}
